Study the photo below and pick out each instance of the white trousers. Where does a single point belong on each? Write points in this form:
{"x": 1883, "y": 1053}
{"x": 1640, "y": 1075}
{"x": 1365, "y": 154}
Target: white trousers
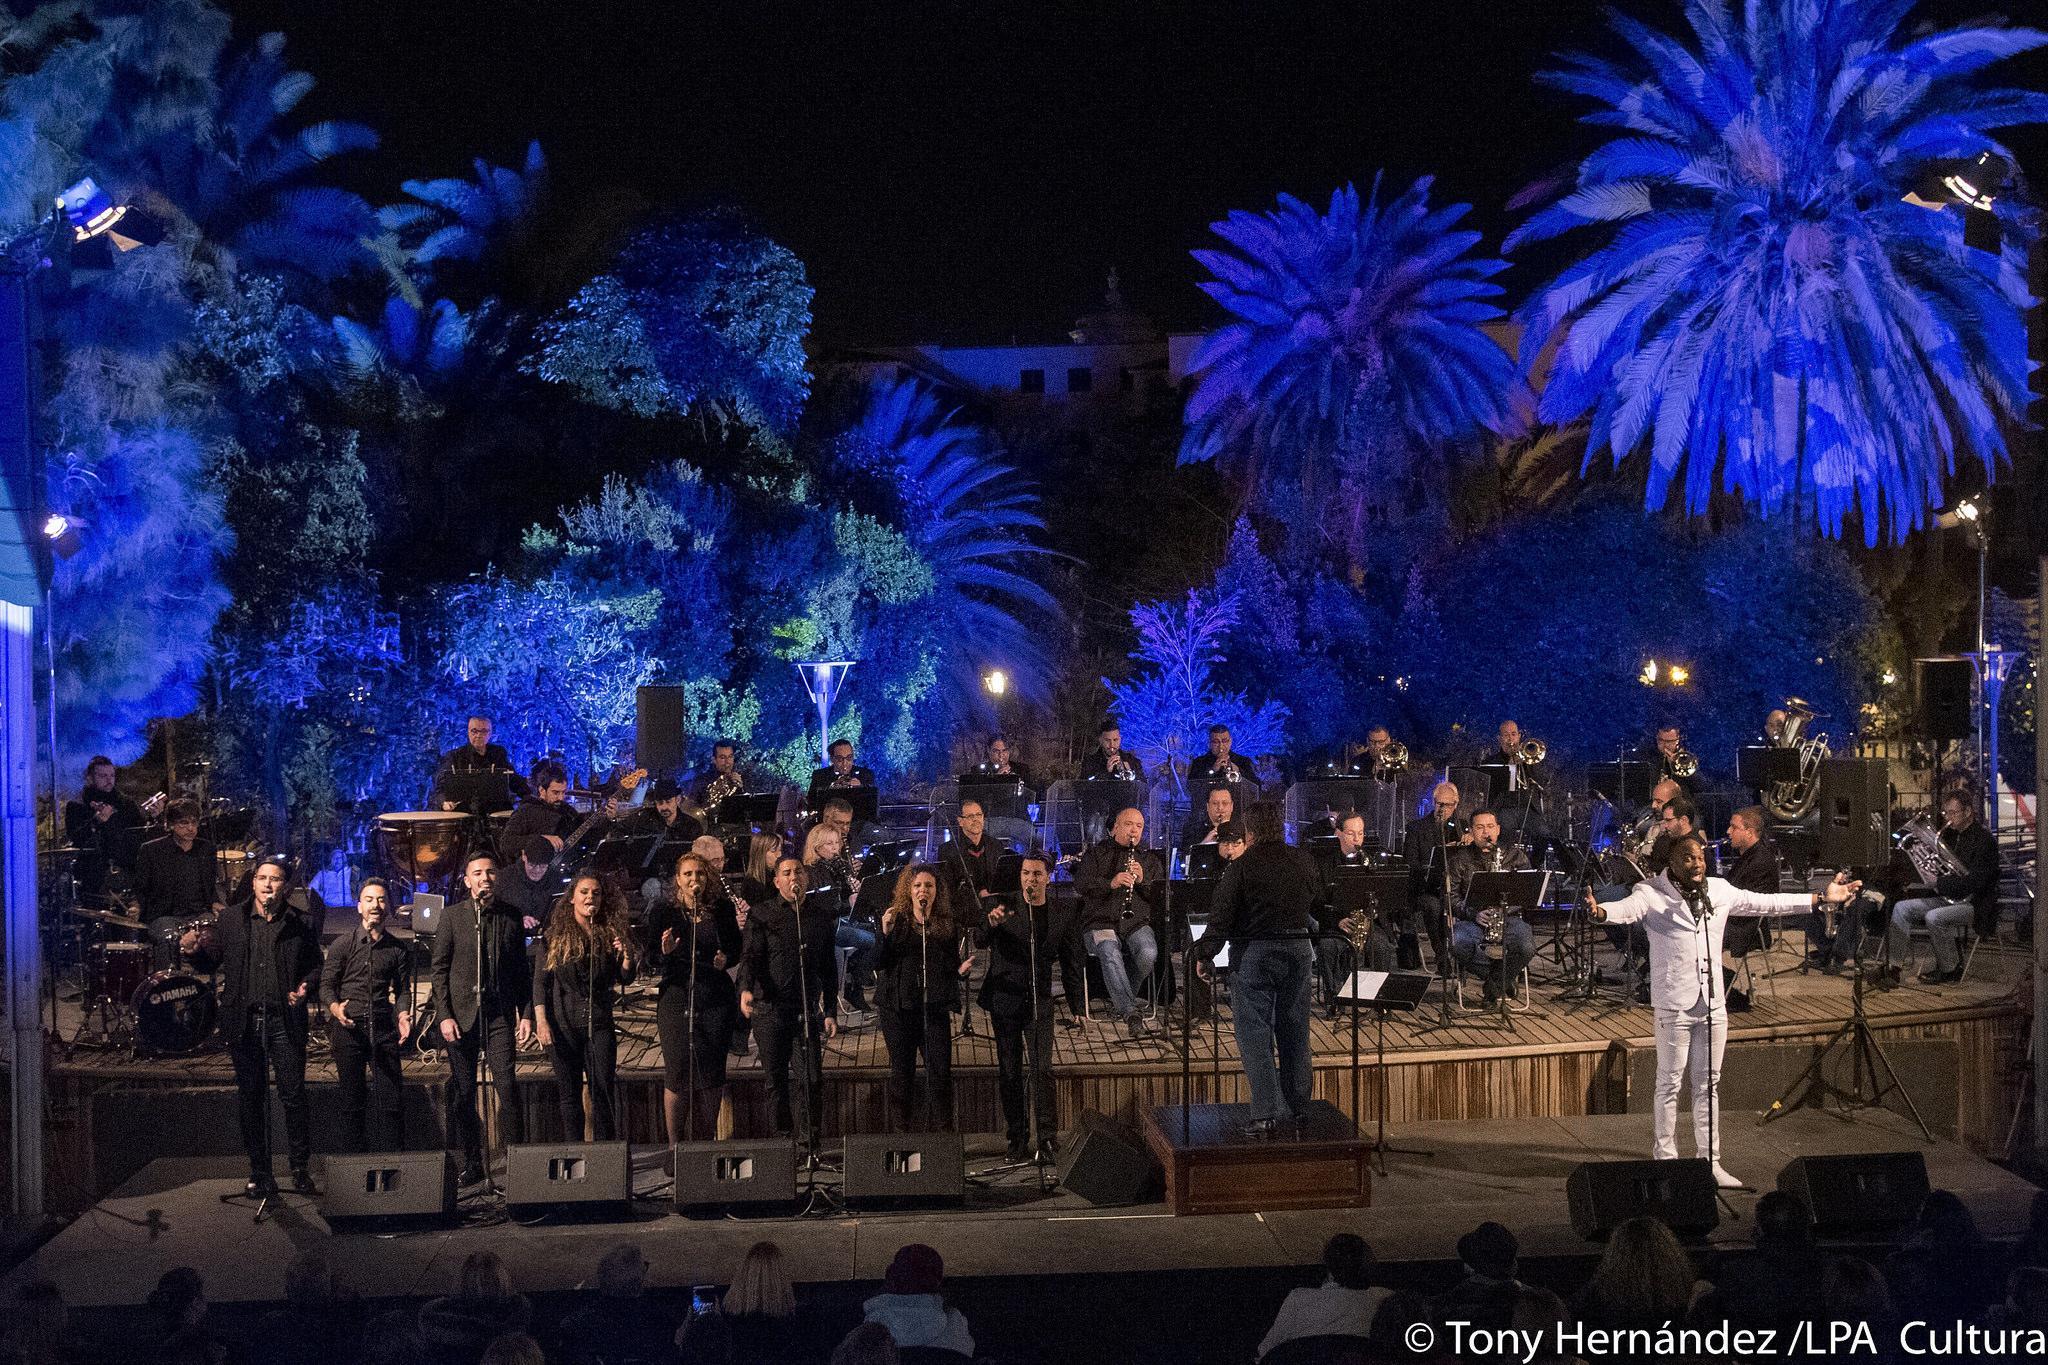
{"x": 1688, "y": 1057}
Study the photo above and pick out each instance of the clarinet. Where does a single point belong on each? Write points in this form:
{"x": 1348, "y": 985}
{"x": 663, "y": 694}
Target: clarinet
{"x": 1132, "y": 865}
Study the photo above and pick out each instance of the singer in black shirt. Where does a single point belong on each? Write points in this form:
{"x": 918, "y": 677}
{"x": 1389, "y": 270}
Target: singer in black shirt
{"x": 483, "y": 998}
{"x": 588, "y": 955}
{"x": 366, "y": 990}
{"x": 917, "y": 984}
{"x": 1017, "y": 995}
{"x": 270, "y": 963}
{"x": 787, "y": 969}
{"x": 696, "y": 935}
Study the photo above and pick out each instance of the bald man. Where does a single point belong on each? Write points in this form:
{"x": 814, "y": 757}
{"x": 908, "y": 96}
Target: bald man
{"x": 1424, "y": 847}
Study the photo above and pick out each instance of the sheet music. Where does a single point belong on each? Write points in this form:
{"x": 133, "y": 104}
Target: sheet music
{"x": 1363, "y": 986}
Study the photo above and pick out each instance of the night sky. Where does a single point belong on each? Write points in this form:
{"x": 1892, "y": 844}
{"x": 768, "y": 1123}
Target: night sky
{"x": 968, "y": 171}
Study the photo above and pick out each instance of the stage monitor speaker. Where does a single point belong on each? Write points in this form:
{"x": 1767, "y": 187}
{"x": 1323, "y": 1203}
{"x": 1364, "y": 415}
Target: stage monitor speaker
{"x": 387, "y": 1185}
{"x": 658, "y": 730}
{"x": 736, "y": 1175}
{"x": 1855, "y": 813}
{"x": 541, "y": 1173}
{"x": 1858, "y": 1194}
{"x": 1944, "y": 692}
{"x": 905, "y": 1168}
{"x": 1606, "y": 1194}
{"x": 1106, "y": 1164}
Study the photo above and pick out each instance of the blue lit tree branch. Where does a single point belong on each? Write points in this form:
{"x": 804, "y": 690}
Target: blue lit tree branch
{"x": 1353, "y": 356}
{"x": 1762, "y": 311}
{"x": 1166, "y": 711}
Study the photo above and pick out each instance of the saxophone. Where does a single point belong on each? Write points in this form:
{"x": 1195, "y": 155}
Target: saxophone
{"x": 1493, "y": 921}
{"x": 1360, "y": 925}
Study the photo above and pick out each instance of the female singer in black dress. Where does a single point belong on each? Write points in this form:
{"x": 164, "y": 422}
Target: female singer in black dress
{"x": 917, "y": 984}
{"x": 697, "y": 939}
{"x": 586, "y": 956}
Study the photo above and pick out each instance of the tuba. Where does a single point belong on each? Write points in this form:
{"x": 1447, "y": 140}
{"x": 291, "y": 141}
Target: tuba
{"x": 1791, "y": 802}
{"x": 1932, "y": 860}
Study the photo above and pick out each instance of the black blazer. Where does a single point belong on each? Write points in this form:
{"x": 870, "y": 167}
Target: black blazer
{"x": 1006, "y": 990}
{"x": 913, "y": 969}
{"x": 455, "y": 963}
{"x": 770, "y": 966}
{"x": 298, "y": 962}
{"x": 1419, "y": 850}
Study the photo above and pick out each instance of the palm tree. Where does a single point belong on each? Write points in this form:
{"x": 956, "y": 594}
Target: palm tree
{"x": 1763, "y": 310}
{"x": 972, "y": 519}
{"x": 1355, "y": 349}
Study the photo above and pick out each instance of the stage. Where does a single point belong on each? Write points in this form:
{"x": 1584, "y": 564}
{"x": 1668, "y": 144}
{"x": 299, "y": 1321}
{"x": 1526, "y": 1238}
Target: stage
{"x": 1961, "y": 1049}
{"x": 1512, "y": 1171}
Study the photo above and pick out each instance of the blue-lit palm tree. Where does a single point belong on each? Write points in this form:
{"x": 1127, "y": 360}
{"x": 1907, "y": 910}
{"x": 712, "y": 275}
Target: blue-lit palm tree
{"x": 972, "y": 519}
{"x": 1762, "y": 310}
{"x": 454, "y": 221}
{"x": 1354, "y": 353}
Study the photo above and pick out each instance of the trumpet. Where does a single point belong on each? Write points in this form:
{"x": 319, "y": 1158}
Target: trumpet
{"x": 1120, "y": 768}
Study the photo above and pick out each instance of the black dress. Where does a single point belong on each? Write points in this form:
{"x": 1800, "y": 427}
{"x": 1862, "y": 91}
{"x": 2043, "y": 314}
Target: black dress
{"x": 718, "y": 1002}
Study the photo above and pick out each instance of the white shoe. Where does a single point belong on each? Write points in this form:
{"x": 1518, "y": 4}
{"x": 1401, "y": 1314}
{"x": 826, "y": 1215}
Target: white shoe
{"x": 1724, "y": 1179}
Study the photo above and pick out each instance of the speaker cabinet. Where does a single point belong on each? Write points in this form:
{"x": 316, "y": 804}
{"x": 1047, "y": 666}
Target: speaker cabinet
{"x": 387, "y": 1185}
{"x": 658, "y": 730}
{"x": 905, "y": 1168}
{"x": 757, "y": 1176}
{"x": 538, "y": 1173}
{"x": 1944, "y": 692}
{"x": 1606, "y": 1194}
{"x": 1105, "y": 1164}
{"x": 1855, "y": 813}
{"x": 1864, "y": 1193}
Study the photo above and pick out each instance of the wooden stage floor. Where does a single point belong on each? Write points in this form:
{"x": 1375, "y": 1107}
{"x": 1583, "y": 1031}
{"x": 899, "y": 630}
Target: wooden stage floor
{"x": 1563, "y": 1058}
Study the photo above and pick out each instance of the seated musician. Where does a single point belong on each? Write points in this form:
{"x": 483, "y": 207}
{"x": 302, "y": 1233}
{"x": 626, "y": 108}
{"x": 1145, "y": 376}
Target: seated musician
{"x": 176, "y": 881}
{"x": 1109, "y": 759}
{"x": 530, "y": 885}
{"x": 1377, "y": 740}
{"x": 1486, "y": 853}
{"x": 663, "y": 815}
{"x": 477, "y": 757}
{"x": 546, "y": 811}
{"x": 1333, "y": 951}
{"x": 1120, "y": 884}
{"x": 1426, "y": 849}
{"x": 107, "y": 829}
{"x": 710, "y": 789}
{"x": 1959, "y": 900}
{"x": 999, "y": 765}
{"x": 842, "y": 773}
{"x": 1220, "y": 805}
{"x": 1220, "y": 764}
{"x": 1005, "y": 807}
{"x": 1754, "y": 869}
{"x": 967, "y": 863}
{"x": 1518, "y": 798}
{"x": 1670, "y": 743}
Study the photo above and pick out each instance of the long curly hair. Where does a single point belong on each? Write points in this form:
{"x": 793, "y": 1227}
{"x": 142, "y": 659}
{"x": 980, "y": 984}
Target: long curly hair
{"x": 568, "y": 941}
{"x": 940, "y": 925}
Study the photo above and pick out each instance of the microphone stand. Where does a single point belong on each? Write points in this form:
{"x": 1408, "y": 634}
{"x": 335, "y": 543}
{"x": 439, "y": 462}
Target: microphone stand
{"x": 1034, "y": 1045}
{"x": 483, "y": 1052}
{"x": 924, "y": 1008}
{"x": 1445, "y": 968}
{"x": 813, "y": 1121}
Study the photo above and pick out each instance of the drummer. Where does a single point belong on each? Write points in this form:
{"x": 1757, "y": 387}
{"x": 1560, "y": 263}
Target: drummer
{"x": 477, "y": 758}
{"x": 177, "y": 886}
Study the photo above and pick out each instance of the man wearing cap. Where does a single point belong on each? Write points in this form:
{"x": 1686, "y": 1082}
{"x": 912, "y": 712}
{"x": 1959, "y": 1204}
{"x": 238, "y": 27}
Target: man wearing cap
{"x": 913, "y": 1308}
{"x": 1486, "y": 1296}
{"x": 527, "y": 886}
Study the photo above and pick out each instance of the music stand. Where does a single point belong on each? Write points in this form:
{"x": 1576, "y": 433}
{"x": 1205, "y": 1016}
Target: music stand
{"x": 1627, "y": 783}
{"x": 866, "y": 801}
{"x": 1204, "y": 863}
{"x": 1765, "y": 765}
{"x": 1002, "y": 795}
{"x": 755, "y": 810}
{"x": 1510, "y": 892}
{"x": 479, "y": 791}
{"x": 1382, "y": 993}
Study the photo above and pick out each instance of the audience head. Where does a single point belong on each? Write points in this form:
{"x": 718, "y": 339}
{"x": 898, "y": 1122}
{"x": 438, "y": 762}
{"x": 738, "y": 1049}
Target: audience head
{"x": 917, "y": 1269}
{"x": 513, "y": 1348}
{"x": 1946, "y": 1222}
{"x": 1853, "y": 1290}
{"x": 761, "y": 1287}
{"x": 705, "y": 1339}
{"x": 393, "y": 1338}
{"x": 1349, "y": 1261}
{"x": 1644, "y": 1273}
{"x": 867, "y": 1344}
{"x": 1490, "y": 1250}
{"x": 37, "y": 1324}
{"x": 483, "y": 1276}
{"x": 1537, "y": 1315}
{"x": 1782, "y": 1220}
{"x": 2026, "y": 1296}
{"x": 622, "y": 1272}
{"x": 1387, "y": 1339}
{"x": 179, "y": 1298}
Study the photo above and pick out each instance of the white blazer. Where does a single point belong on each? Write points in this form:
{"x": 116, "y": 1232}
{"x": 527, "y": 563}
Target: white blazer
{"x": 1685, "y": 955}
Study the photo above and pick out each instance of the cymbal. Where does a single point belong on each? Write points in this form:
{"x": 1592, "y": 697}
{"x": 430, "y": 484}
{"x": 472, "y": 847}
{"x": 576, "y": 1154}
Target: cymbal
{"x": 106, "y": 917}
{"x": 66, "y": 852}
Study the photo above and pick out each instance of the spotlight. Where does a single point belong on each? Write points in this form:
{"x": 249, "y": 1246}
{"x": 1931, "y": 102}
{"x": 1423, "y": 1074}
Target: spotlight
{"x": 1679, "y": 675}
{"x": 62, "y": 533}
{"x": 1648, "y": 677}
{"x": 996, "y": 681}
{"x": 1971, "y": 516}
{"x": 1970, "y": 184}
{"x": 92, "y": 213}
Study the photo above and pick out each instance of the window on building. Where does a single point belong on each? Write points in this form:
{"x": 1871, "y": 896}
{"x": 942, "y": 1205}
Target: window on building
{"x": 1080, "y": 379}
{"x": 1031, "y": 381}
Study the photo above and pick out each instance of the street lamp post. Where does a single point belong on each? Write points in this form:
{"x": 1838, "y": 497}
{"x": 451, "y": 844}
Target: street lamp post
{"x": 822, "y": 680}
{"x": 1993, "y": 664}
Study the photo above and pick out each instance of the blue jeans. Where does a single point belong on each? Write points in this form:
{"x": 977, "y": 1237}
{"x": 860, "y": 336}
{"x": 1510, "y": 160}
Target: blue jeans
{"x": 1945, "y": 920}
{"x": 1468, "y": 945}
{"x": 860, "y": 964}
{"x": 1116, "y": 978}
{"x": 1269, "y": 998}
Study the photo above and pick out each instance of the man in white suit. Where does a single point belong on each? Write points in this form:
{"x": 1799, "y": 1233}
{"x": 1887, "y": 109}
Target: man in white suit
{"x": 1685, "y": 913}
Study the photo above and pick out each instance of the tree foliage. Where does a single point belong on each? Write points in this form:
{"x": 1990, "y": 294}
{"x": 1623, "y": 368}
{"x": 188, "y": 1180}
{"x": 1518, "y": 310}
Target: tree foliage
{"x": 1761, "y": 310}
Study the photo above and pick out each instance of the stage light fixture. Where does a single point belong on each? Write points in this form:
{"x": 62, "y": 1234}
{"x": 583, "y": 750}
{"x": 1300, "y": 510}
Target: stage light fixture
{"x": 1648, "y": 677}
{"x": 1970, "y": 184}
{"x": 996, "y": 681}
{"x": 1679, "y": 675}
{"x": 92, "y": 213}
{"x": 62, "y": 533}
